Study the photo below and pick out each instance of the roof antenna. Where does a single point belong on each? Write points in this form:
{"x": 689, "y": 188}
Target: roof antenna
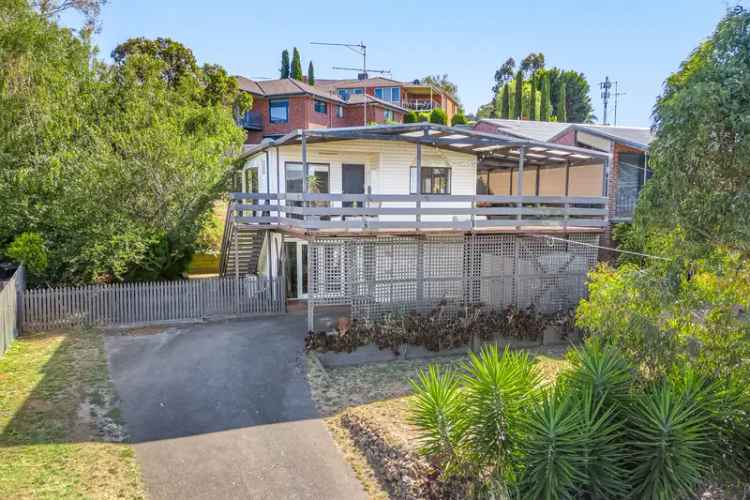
{"x": 606, "y": 95}
{"x": 361, "y": 49}
{"x": 617, "y": 96}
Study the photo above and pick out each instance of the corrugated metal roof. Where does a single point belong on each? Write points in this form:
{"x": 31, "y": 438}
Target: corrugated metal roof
{"x": 547, "y": 131}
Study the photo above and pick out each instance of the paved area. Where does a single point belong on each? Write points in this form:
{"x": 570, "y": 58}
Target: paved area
{"x": 223, "y": 410}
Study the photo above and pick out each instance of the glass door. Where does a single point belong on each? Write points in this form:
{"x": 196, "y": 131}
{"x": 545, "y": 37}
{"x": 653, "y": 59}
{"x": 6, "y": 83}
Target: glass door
{"x": 296, "y": 269}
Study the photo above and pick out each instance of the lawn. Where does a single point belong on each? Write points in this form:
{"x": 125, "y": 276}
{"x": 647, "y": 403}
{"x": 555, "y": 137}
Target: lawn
{"x": 60, "y": 428}
{"x": 366, "y": 409}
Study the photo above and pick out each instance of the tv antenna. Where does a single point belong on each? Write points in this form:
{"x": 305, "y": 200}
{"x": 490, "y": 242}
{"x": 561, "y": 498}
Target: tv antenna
{"x": 360, "y": 49}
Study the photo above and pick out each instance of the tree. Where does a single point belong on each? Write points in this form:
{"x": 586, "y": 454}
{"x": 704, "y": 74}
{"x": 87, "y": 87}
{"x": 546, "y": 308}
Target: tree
{"x": 120, "y": 180}
{"x": 296, "y": 71}
{"x": 532, "y": 114}
{"x": 441, "y": 82}
{"x": 532, "y": 63}
{"x": 579, "y": 108}
{"x": 486, "y": 110}
{"x": 518, "y": 107}
{"x": 438, "y": 116}
{"x": 90, "y": 9}
{"x": 410, "y": 117}
{"x": 561, "y": 106}
{"x": 546, "y": 107}
{"x": 504, "y": 74}
{"x": 505, "y": 106}
{"x": 310, "y": 74}
{"x": 699, "y": 158}
{"x": 458, "y": 119}
{"x": 179, "y": 64}
{"x": 284, "y": 70}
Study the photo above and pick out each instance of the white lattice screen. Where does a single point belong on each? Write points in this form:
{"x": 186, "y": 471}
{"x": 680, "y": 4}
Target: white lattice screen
{"x": 379, "y": 275}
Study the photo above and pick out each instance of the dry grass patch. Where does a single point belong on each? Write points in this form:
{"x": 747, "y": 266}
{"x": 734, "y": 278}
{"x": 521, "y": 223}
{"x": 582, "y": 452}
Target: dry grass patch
{"x": 366, "y": 408}
{"x": 60, "y": 428}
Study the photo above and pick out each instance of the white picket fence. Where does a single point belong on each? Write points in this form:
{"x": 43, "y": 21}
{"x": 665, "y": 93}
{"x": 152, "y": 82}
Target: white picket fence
{"x": 10, "y": 311}
{"x": 154, "y": 302}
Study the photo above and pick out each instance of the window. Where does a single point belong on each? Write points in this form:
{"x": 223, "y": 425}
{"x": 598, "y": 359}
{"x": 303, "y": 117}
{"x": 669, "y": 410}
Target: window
{"x": 293, "y": 173}
{"x": 346, "y": 93}
{"x": 435, "y": 180}
{"x": 278, "y": 111}
{"x": 390, "y": 94}
{"x": 339, "y": 111}
{"x": 388, "y": 115}
{"x": 321, "y": 107}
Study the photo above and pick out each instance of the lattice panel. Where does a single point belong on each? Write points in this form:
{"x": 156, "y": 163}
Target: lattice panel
{"x": 376, "y": 276}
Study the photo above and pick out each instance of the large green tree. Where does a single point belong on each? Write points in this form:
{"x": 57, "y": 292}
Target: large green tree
{"x": 114, "y": 167}
{"x": 518, "y": 106}
{"x": 701, "y": 155}
{"x": 310, "y": 74}
{"x": 546, "y": 107}
{"x": 505, "y": 102}
{"x": 296, "y": 70}
{"x": 579, "y": 108}
{"x": 284, "y": 70}
{"x": 561, "y": 106}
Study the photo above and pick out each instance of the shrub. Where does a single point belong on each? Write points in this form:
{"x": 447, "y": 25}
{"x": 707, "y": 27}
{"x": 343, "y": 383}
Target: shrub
{"x": 28, "y": 249}
{"x": 423, "y": 116}
{"x": 442, "y": 328}
{"x": 438, "y": 116}
{"x": 458, "y": 119}
{"x": 410, "y": 117}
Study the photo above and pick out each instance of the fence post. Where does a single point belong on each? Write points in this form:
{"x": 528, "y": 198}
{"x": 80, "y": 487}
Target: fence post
{"x": 20, "y": 277}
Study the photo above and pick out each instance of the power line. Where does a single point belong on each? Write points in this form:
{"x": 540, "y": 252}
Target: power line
{"x": 591, "y": 245}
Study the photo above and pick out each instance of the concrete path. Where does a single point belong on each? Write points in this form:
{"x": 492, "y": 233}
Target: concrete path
{"x": 223, "y": 410}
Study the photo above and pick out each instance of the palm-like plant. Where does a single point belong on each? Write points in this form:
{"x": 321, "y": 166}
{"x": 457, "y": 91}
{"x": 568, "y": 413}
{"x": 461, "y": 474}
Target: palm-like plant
{"x": 498, "y": 391}
{"x": 436, "y": 412}
{"x": 669, "y": 441}
{"x": 554, "y": 449}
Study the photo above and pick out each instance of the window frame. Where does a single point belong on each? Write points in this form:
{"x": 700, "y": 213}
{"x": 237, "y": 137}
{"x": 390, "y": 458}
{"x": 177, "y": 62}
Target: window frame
{"x": 388, "y": 115}
{"x": 431, "y": 176}
{"x": 317, "y": 102}
{"x": 339, "y": 111}
{"x": 275, "y": 103}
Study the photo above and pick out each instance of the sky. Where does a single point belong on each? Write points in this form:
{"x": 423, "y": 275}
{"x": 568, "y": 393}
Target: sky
{"x": 637, "y": 43}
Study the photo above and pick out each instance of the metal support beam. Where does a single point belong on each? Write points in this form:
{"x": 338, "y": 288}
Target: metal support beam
{"x": 419, "y": 181}
{"x": 519, "y": 181}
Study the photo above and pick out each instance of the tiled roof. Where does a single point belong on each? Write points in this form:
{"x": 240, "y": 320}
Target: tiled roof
{"x": 286, "y": 86}
{"x": 548, "y": 131}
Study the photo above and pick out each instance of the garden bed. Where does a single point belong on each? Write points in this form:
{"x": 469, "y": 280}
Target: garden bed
{"x": 366, "y": 408}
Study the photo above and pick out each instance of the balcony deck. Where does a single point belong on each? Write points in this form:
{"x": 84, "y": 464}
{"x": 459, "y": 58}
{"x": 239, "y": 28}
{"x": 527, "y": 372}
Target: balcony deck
{"x": 333, "y": 213}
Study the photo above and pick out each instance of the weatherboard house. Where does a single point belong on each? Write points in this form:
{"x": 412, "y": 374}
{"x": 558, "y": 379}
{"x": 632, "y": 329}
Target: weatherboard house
{"x": 385, "y": 218}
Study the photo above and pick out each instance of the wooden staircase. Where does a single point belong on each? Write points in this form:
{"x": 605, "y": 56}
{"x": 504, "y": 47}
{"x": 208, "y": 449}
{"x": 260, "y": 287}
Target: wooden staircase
{"x": 248, "y": 248}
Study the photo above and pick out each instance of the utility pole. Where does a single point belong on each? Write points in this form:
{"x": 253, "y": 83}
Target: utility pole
{"x": 360, "y": 49}
{"x": 617, "y": 95}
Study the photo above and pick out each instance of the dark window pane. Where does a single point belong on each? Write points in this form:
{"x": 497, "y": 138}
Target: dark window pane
{"x": 279, "y": 111}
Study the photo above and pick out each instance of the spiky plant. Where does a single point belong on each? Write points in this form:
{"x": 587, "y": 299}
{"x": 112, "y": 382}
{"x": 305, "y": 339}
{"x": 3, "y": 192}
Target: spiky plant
{"x": 554, "y": 448}
{"x": 498, "y": 391}
{"x": 669, "y": 441}
{"x": 601, "y": 369}
{"x": 436, "y": 413}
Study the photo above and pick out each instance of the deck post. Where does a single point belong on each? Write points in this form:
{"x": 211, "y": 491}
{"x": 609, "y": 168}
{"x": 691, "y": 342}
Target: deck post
{"x": 305, "y": 172}
{"x": 519, "y": 182}
{"x": 278, "y": 184}
{"x": 567, "y": 193}
{"x": 418, "y": 190}
{"x": 310, "y": 287}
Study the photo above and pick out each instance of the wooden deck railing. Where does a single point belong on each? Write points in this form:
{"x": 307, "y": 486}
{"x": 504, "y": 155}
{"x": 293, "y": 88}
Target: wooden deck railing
{"x": 314, "y": 211}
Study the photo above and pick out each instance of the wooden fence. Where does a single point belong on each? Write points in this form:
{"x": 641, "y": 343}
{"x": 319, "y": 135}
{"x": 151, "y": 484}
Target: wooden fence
{"x": 11, "y": 308}
{"x": 154, "y": 302}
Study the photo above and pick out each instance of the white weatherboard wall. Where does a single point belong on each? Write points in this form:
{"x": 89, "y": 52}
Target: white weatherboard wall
{"x": 387, "y": 168}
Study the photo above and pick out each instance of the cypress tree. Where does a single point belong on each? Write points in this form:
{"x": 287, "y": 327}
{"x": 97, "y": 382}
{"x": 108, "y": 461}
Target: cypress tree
{"x": 531, "y": 107}
{"x": 284, "y": 71}
{"x": 562, "y": 106}
{"x": 296, "y": 65}
{"x": 518, "y": 107}
{"x": 546, "y": 111}
{"x": 310, "y": 74}
{"x": 505, "y": 104}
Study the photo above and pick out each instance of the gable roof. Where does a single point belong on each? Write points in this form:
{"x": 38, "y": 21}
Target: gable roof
{"x": 639, "y": 138}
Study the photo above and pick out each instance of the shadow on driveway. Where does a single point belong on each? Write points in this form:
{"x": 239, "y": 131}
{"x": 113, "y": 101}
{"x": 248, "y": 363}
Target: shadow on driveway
{"x": 223, "y": 410}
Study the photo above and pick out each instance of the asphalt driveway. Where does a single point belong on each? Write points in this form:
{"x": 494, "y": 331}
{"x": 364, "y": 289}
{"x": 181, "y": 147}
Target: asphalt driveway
{"x": 223, "y": 410}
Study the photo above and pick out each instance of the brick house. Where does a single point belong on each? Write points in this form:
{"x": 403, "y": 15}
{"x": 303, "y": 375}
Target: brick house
{"x": 281, "y": 106}
{"x": 628, "y": 147}
{"x": 412, "y": 96}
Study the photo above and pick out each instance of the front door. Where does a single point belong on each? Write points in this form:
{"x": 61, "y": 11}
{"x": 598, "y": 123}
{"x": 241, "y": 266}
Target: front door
{"x": 352, "y": 181}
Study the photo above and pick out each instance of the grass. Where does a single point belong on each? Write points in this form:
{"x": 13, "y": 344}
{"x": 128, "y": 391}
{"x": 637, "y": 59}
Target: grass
{"x": 59, "y": 425}
{"x": 379, "y": 394}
